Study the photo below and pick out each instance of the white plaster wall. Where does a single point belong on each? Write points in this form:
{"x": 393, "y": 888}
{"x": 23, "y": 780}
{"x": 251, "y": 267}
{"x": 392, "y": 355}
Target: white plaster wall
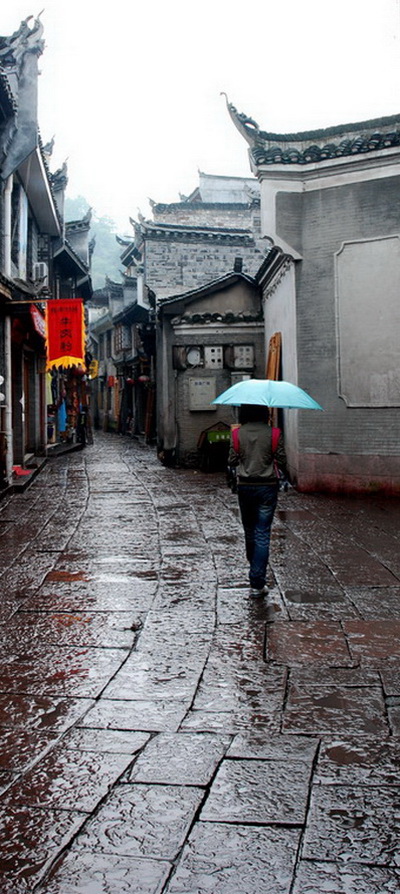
{"x": 368, "y": 322}
{"x": 269, "y": 190}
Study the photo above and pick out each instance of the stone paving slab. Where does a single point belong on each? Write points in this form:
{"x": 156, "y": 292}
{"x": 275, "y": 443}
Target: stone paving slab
{"x": 359, "y": 824}
{"x": 141, "y": 574}
{"x": 180, "y": 759}
{"x": 374, "y": 641}
{"x": 234, "y": 607}
{"x": 20, "y": 748}
{"x": 255, "y": 791}
{"x": 390, "y": 676}
{"x": 367, "y": 760}
{"x": 94, "y": 629}
{"x": 183, "y": 568}
{"x": 328, "y": 709}
{"x": 384, "y": 549}
{"x": 41, "y": 712}
{"x": 339, "y": 677}
{"x": 28, "y": 576}
{"x": 222, "y": 859}
{"x": 347, "y": 561}
{"x": 243, "y": 642}
{"x": 142, "y": 821}
{"x": 376, "y": 602}
{"x": 110, "y": 740}
{"x": 140, "y": 714}
{"x": 125, "y": 597}
{"x": 6, "y": 779}
{"x": 309, "y": 605}
{"x": 69, "y": 779}
{"x": 232, "y": 721}
{"x": 184, "y": 595}
{"x": 300, "y": 643}
{"x": 178, "y": 619}
{"x": 242, "y": 693}
{"x": 110, "y": 874}
{"x": 151, "y": 676}
{"x": 342, "y": 878}
{"x": 303, "y": 575}
{"x": 8, "y": 606}
{"x": 393, "y": 709}
{"x": 30, "y": 839}
{"x": 264, "y": 746}
{"x": 84, "y": 584}
{"x": 79, "y": 672}
{"x": 172, "y": 546}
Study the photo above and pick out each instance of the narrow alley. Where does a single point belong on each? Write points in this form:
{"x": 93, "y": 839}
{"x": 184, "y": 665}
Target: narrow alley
{"x": 164, "y": 733}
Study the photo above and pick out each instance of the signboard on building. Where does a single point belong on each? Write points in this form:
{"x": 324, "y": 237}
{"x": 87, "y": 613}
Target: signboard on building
{"x": 65, "y": 332}
{"x": 94, "y": 369}
{"x": 38, "y": 321}
{"x": 202, "y": 391}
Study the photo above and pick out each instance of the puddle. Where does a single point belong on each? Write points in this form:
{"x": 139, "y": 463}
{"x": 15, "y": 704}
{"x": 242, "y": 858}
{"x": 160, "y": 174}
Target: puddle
{"x": 66, "y": 576}
{"x": 300, "y": 596}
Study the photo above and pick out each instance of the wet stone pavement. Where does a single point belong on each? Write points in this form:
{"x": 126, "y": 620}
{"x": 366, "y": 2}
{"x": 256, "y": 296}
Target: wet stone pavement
{"x": 162, "y": 732}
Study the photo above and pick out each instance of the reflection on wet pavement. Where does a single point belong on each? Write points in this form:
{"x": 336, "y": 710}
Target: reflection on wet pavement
{"x": 163, "y": 733}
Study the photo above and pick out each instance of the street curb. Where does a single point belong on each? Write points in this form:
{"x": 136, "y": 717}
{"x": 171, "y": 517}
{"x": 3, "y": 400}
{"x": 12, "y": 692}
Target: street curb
{"x": 19, "y": 485}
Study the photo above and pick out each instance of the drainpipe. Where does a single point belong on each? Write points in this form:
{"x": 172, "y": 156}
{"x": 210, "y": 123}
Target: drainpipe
{"x": 7, "y": 328}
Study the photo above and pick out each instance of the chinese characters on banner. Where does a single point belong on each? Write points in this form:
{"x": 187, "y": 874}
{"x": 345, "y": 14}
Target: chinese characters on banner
{"x": 65, "y": 332}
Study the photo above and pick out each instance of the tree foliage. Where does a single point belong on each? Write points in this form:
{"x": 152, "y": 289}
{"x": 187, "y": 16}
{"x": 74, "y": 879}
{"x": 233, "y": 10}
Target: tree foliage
{"x": 106, "y": 255}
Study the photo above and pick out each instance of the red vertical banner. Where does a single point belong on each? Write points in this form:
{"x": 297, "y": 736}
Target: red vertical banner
{"x": 65, "y": 332}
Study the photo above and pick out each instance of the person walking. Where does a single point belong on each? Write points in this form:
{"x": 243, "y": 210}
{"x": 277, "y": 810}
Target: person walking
{"x": 257, "y": 451}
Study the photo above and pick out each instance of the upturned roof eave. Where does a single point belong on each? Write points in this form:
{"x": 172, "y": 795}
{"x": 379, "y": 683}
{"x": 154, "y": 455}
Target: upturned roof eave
{"x": 65, "y": 251}
{"x": 305, "y": 148}
{"x": 251, "y": 130}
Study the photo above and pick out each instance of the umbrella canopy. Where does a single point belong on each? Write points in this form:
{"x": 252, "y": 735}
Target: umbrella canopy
{"x": 269, "y": 393}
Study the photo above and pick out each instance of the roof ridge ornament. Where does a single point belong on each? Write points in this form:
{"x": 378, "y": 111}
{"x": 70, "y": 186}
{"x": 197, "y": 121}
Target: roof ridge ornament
{"x": 24, "y": 40}
{"x": 247, "y": 126}
{"x": 315, "y": 146}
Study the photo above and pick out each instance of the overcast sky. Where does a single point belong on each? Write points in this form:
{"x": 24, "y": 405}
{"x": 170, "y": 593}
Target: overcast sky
{"x": 131, "y": 91}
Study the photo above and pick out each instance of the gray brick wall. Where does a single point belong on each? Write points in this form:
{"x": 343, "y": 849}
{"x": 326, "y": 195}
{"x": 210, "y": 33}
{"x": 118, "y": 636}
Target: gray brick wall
{"x": 211, "y": 215}
{"x": 329, "y": 217}
{"x": 175, "y": 267}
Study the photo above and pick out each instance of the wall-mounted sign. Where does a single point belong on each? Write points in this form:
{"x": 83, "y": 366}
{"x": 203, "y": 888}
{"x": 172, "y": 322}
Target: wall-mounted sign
{"x": 38, "y": 321}
{"x": 94, "y": 369}
{"x": 202, "y": 391}
{"x": 65, "y": 332}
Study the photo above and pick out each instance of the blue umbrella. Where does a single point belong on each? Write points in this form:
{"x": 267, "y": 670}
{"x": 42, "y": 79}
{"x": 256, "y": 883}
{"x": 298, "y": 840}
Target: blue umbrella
{"x": 269, "y": 393}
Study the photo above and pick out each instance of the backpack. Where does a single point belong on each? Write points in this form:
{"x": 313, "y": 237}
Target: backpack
{"x": 231, "y": 474}
{"x": 276, "y": 433}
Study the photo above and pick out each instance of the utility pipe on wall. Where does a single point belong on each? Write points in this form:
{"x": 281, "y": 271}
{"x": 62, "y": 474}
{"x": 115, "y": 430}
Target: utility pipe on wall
{"x": 7, "y": 327}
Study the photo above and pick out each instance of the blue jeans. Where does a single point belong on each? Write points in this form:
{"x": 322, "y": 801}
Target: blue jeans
{"x": 257, "y": 503}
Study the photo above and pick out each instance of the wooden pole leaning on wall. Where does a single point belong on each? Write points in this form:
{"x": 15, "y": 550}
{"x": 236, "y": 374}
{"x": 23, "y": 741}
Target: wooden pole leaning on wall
{"x": 273, "y": 366}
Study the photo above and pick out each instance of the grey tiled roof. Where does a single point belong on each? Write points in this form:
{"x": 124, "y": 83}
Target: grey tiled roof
{"x": 314, "y": 153}
{"x": 313, "y": 146}
{"x": 7, "y": 97}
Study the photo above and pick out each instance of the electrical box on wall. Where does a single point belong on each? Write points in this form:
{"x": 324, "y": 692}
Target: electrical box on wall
{"x": 213, "y": 357}
{"x": 243, "y": 356}
{"x": 202, "y": 392}
{"x": 187, "y": 356}
{"x": 239, "y": 377}
{"x": 239, "y": 356}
